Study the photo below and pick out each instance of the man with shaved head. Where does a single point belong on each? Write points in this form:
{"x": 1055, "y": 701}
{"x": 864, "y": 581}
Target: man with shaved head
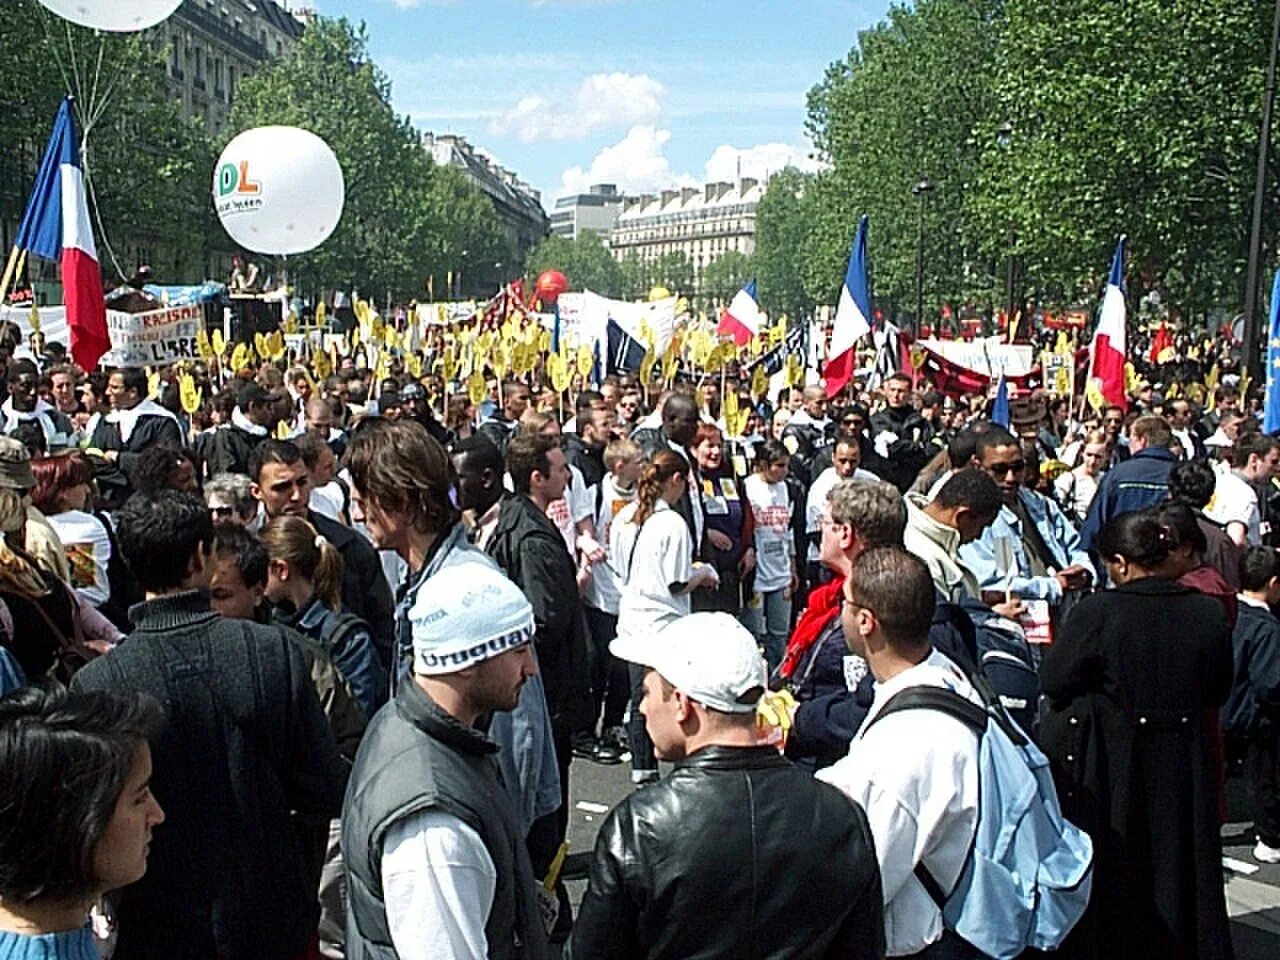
{"x": 808, "y": 433}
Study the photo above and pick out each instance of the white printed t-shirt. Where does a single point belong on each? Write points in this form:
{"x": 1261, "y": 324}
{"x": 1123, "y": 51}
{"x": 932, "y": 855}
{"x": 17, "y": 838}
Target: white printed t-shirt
{"x": 650, "y": 560}
{"x": 775, "y": 546}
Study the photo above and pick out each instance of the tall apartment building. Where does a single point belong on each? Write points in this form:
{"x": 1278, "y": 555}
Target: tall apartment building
{"x": 518, "y": 206}
{"x": 596, "y": 210}
{"x": 212, "y": 44}
{"x": 702, "y": 224}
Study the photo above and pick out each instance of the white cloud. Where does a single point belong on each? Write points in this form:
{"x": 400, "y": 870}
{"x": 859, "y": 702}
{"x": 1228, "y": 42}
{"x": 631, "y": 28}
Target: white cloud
{"x": 635, "y": 163}
{"x": 603, "y": 100}
{"x": 758, "y": 162}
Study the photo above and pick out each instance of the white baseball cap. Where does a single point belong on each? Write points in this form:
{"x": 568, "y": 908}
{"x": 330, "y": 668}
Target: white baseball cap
{"x": 710, "y": 657}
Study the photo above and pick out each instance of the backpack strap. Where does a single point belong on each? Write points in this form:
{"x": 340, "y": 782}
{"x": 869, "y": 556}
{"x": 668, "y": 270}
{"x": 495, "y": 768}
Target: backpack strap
{"x": 936, "y": 698}
{"x": 953, "y": 705}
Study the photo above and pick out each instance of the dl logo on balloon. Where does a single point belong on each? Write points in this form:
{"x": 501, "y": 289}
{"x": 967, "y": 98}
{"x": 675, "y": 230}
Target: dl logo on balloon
{"x": 278, "y": 190}
{"x": 236, "y": 191}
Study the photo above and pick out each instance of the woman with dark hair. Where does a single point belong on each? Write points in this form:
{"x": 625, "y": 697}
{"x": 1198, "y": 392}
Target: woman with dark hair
{"x": 777, "y": 576}
{"x": 1187, "y": 563}
{"x": 1192, "y": 482}
{"x": 651, "y": 549}
{"x": 165, "y": 468}
{"x": 730, "y": 524}
{"x": 1130, "y": 682}
{"x": 74, "y": 773}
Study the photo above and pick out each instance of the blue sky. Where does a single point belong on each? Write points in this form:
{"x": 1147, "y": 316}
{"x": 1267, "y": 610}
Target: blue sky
{"x": 644, "y": 93}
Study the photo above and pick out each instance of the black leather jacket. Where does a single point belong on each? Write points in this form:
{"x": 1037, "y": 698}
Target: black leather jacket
{"x": 738, "y": 854}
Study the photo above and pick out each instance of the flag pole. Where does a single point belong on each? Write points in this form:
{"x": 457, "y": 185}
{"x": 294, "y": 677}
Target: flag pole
{"x": 10, "y": 269}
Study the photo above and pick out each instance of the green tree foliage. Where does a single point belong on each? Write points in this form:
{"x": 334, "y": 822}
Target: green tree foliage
{"x": 782, "y": 239}
{"x": 148, "y": 168}
{"x": 404, "y": 219}
{"x": 724, "y": 277}
{"x": 1129, "y": 117}
{"x": 585, "y": 261}
{"x": 1048, "y": 128}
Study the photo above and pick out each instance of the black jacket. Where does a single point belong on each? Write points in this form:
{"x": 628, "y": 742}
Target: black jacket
{"x": 365, "y": 591}
{"x": 804, "y": 439}
{"x": 911, "y": 450}
{"x": 531, "y": 552}
{"x": 416, "y": 758}
{"x": 113, "y": 478}
{"x": 246, "y": 747}
{"x": 590, "y": 463}
{"x": 1133, "y": 680}
{"x": 1254, "y": 702}
{"x": 737, "y": 854}
{"x": 228, "y": 450}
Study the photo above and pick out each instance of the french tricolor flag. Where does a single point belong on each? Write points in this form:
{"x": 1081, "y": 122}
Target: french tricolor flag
{"x": 742, "y": 318}
{"x": 56, "y": 226}
{"x": 1107, "y": 353}
{"x": 853, "y": 317}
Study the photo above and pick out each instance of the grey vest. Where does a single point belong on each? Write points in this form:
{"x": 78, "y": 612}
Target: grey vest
{"x": 415, "y": 757}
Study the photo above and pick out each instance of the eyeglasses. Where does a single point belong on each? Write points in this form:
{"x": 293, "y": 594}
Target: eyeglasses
{"x": 221, "y": 511}
{"x": 1004, "y": 469}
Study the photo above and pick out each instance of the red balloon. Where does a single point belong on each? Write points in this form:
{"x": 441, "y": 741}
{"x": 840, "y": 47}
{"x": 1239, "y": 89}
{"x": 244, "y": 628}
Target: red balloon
{"x": 550, "y": 285}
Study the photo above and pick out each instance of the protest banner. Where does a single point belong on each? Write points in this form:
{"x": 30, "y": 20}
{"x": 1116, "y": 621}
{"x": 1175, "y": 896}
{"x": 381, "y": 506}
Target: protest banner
{"x": 154, "y": 338}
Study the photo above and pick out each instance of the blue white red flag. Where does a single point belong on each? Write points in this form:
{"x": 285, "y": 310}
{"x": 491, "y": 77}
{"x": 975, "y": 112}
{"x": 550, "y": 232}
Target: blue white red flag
{"x": 853, "y": 317}
{"x": 56, "y": 226}
{"x": 742, "y": 318}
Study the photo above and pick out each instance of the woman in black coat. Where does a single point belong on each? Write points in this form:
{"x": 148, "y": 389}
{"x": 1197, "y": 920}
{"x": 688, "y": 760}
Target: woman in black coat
{"x": 1131, "y": 682}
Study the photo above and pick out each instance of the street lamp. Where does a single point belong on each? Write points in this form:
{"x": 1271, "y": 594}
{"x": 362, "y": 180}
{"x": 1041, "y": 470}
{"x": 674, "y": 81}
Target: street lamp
{"x": 1252, "y": 353}
{"x": 922, "y": 189}
{"x": 1004, "y": 137}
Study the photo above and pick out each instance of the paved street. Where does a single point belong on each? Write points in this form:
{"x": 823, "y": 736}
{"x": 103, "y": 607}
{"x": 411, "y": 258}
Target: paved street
{"x": 1253, "y": 889}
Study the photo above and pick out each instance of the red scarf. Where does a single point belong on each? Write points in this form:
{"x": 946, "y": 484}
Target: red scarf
{"x": 824, "y": 602}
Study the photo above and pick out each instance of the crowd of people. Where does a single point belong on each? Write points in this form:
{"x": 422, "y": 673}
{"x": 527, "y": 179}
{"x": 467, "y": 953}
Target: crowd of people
{"x": 306, "y": 672}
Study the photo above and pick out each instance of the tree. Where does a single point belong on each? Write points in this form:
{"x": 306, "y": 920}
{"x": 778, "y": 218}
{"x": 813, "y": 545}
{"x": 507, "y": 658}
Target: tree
{"x": 912, "y": 101}
{"x": 782, "y": 229}
{"x": 585, "y": 261}
{"x": 674, "y": 271}
{"x": 724, "y": 277}
{"x": 404, "y": 219}
{"x": 1157, "y": 140}
{"x": 147, "y": 168}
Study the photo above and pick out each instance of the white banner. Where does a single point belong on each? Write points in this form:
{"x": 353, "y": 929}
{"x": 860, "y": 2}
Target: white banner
{"x": 990, "y": 357}
{"x": 154, "y": 338}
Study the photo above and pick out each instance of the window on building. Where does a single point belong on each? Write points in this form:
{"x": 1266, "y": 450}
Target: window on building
{"x": 218, "y": 87}
{"x": 231, "y": 82}
{"x": 175, "y": 56}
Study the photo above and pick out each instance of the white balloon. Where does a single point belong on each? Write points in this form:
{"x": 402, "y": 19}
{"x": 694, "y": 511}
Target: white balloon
{"x": 278, "y": 190}
{"x": 119, "y": 16}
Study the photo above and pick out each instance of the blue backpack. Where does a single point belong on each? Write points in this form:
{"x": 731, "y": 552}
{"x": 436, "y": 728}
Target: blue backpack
{"x": 1029, "y": 872}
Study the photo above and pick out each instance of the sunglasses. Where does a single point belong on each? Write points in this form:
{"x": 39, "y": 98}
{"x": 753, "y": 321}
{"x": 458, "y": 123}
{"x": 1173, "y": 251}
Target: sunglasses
{"x": 221, "y": 511}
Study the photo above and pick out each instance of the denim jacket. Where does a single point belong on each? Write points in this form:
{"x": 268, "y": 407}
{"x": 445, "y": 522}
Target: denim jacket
{"x": 1058, "y": 534}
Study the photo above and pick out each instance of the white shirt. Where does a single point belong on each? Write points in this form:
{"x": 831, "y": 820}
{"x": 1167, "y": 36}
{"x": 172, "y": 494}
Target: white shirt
{"x": 662, "y": 555}
{"x": 438, "y": 883}
{"x": 916, "y": 776}
{"x": 604, "y": 589}
{"x": 1235, "y": 501}
{"x": 328, "y": 500}
{"x": 88, "y": 549}
{"x": 775, "y": 546}
{"x": 819, "y": 490}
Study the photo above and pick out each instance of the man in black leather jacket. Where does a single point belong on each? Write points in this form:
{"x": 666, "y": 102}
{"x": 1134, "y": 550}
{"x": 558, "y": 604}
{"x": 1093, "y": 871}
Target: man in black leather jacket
{"x": 738, "y": 853}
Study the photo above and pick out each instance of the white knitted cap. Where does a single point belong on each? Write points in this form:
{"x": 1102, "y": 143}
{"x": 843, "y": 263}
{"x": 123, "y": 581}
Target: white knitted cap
{"x": 466, "y": 614}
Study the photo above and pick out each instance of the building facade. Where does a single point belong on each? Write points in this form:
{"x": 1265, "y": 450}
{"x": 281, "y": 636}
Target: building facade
{"x": 212, "y": 44}
{"x": 596, "y": 210}
{"x": 702, "y": 224}
{"x": 518, "y": 206}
